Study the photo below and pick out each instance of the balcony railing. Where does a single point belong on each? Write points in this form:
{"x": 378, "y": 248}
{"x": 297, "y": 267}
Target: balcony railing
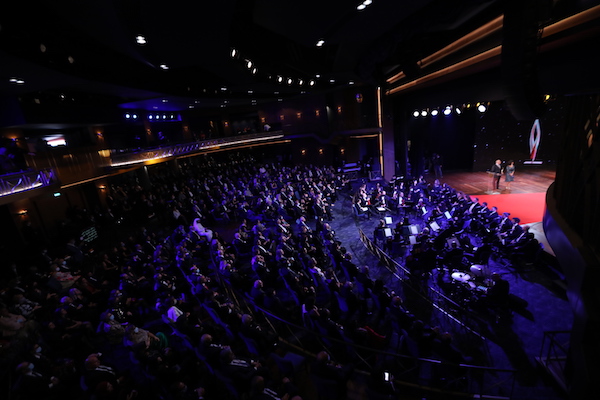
{"x": 145, "y": 155}
{"x": 26, "y": 180}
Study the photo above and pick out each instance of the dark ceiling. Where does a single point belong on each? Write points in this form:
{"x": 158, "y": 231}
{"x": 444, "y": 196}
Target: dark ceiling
{"x": 86, "y": 51}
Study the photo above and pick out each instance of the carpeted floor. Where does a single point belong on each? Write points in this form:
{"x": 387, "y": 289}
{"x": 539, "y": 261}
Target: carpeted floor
{"x": 528, "y": 207}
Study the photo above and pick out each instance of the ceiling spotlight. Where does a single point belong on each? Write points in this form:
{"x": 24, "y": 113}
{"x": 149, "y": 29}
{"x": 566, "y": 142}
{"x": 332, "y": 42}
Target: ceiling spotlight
{"x": 332, "y": 81}
{"x": 350, "y": 82}
{"x": 416, "y": 113}
{"x": 279, "y": 78}
{"x": 150, "y": 116}
{"x": 165, "y": 100}
{"x": 43, "y": 47}
{"x": 233, "y": 53}
{"x": 290, "y": 81}
{"x": 447, "y": 110}
{"x": 134, "y": 116}
{"x": 223, "y": 89}
{"x": 367, "y": 2}
{"x": 127, "y": 116}
{"x": 163, "y": 67}
{"x": 254, "y": 71}
{"x": 250, "y": 91}
{"x": 424, "y": 113}
{"x": 139, "y": 39}
{"x": 361, "y": 7}
{"x": 458, "y": 110}
{"x": 317, "y": 75}
{"x": 249, "y": 64}
{"x": 434, "y": 112}
{"x": 191, "y": 106}
{"x": 300, "y": 82}
{"x": 481, "y": 108}
{"x": 311, "y": 83}
{"x": 70, "y": 59}
{"x": 16, "y": 81}
{"x": 320, "y": 42}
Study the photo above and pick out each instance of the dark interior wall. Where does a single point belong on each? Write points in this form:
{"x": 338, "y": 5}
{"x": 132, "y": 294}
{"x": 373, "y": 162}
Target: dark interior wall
{"x": 572, "y": 227}
{"x": 450, "y": 136}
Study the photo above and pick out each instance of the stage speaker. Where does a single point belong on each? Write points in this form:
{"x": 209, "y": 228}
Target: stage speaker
{"x": 520, "y": 38}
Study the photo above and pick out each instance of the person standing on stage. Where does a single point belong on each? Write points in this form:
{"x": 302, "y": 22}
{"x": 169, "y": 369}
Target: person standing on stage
{"x": 437, "y": 162}
{"x": 497, "y": 171}
{"x": 510, "y": 173}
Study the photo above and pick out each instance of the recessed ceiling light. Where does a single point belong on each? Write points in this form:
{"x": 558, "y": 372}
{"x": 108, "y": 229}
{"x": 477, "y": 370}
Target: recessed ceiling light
{"x": 139, "y": 39}
{"x": 16, "y": 81}
{"x": 43, "y": 47}
{"x": 290, "y": 81}
{"x": 300, "y": 82}
{"x": 254, "y": 71}
{"x": 164, "y": 66}
{"x": 249, "y": 64}
{"x": 234, "y": 53}
{"x": 70, "y": 59}
{"x": 361, "y": 7}
{"x": 223, "y": 89}
{"x": 332, "y": 81}
{"x": 317, "y": 75}
{"x": 250, "y": 91}
{"x": 320, "y": 42}
{"x": 191, "y": 106}
{"x": 165, "y": 100}
{"x": 311, "y": 82}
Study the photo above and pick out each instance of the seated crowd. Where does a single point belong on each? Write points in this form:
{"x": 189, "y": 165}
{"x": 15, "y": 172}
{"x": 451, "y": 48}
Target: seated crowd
{"x": 171, "y": 310}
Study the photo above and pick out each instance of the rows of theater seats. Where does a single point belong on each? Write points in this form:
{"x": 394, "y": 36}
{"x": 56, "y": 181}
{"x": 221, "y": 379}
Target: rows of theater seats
{"x": 161, "y": 313}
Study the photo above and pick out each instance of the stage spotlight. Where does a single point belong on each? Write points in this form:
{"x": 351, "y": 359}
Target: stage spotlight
{"x": 424, "y": 113}
{"x": 481, "y": 108}
{"x": 447, "y": 110}
{"x": 416, "y": 113}
{"x": 434, "y": 112}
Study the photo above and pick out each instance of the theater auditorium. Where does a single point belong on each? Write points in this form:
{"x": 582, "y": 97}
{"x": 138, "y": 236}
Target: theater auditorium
{"x": 324, "y": 200}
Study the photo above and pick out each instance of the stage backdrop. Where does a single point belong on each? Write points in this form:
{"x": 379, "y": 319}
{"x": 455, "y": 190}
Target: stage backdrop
{"x": 499, "y": 135}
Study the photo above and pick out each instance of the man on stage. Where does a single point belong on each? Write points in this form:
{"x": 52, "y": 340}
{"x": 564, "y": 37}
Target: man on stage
{"x": 496, "y": 170}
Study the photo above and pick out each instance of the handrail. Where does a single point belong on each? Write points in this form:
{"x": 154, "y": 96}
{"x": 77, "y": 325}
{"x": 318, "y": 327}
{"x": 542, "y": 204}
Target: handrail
{"x": 26, "y": 180}
{"x": 417, "y": 362}
{"x": 120, "y": 159}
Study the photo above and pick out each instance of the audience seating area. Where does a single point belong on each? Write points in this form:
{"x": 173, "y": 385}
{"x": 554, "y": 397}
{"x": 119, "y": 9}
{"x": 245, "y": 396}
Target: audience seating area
{"x": 163, "y": 306}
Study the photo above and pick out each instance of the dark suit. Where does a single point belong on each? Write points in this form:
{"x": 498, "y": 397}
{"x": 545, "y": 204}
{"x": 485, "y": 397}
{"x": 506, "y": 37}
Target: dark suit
{"x": 497, "y": 171}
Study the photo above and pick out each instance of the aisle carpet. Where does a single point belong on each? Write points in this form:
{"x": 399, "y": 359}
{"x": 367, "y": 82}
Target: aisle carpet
{"x": 528, "y": 207}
